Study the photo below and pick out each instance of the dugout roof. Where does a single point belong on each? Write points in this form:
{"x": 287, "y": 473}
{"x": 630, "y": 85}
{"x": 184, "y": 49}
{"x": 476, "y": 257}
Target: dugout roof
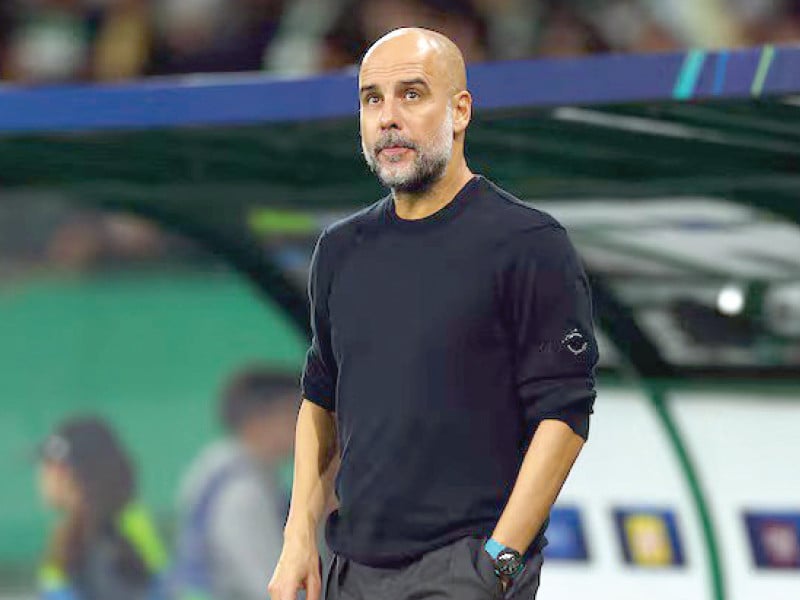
{"x": 677, "y": 175}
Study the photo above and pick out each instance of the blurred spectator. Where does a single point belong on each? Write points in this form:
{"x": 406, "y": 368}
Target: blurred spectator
{"x": 45, "y": 233}
{"x": 568, "y": 33}
{"x": 70, "y": 40}
{"x": 122, "y": 41}
{"x": 90, "y": 240}
{"x": 361, "y": 22}
{"x": 105, "y": 545}
{"x": 46, "y": 41}
{"x": 234, "y": 498}
{"x": 769, "y": 21}
{"x": 512, "y": 26}
{"x": 214, "y": 36}
{"x": 299, "y": 43}
{"x": 6, "y": 27}
{"x": 631, "y": 26}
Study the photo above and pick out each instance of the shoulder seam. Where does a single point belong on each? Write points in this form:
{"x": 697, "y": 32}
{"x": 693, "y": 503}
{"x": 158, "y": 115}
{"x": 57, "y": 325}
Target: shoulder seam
{"x": 354, "y": 219}
{"x": 508, "y": 198}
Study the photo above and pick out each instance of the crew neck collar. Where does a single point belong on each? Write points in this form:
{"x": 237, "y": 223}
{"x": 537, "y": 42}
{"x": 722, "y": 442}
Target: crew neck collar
{"x": 443, "y": 215}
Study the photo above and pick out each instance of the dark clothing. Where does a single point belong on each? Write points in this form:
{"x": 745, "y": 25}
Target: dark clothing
{"x": 459, "y": 571}
{"x": 100, "y": 577}
{"x": 109, "y": 568}
{"x": 441, "y": 343}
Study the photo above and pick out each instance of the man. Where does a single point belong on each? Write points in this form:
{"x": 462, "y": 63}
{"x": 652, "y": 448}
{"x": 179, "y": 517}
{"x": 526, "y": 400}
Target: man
{"x": 232, "y": 500}
{"x": 450, "y": 380}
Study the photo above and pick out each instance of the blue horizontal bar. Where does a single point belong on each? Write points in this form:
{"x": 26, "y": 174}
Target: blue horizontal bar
{"x": 256, "y": 98}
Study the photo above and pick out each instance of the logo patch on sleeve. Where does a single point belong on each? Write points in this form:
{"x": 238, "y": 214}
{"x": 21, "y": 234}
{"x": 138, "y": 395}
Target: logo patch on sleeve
{"x": 575, "y": 342}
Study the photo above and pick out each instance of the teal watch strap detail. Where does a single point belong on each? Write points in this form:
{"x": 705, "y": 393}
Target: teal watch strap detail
{"x": 493, "y": 548}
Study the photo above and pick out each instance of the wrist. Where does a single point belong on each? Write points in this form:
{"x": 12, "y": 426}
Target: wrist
{"x": 507, "y": 561}
{"x": 300, "y": 529}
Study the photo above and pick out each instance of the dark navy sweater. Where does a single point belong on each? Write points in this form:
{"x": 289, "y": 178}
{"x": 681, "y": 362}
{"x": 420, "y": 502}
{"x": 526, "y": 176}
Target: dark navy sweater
{"x": 440, "y": 344}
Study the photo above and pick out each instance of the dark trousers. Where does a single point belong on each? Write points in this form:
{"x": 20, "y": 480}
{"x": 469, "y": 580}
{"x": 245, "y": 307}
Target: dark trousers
{"x": 461, "y": 571}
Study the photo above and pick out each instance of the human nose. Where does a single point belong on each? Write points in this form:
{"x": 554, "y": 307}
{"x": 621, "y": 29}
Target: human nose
{"x": 389, "y": 118}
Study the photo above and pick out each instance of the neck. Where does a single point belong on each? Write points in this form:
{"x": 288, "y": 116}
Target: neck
{"x": 418, "y": 206}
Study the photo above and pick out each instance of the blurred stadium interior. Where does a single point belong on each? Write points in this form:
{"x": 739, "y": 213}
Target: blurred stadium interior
{"x": 156, "y": 235}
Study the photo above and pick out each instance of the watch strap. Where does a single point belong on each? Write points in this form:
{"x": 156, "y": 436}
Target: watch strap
{"x": 493, "y": 548}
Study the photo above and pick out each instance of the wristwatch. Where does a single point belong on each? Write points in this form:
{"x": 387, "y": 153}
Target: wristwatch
{"x": 507, "y": 561}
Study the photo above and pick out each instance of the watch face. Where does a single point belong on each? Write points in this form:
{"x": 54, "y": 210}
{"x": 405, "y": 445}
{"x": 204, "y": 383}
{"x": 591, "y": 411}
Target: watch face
{"x": 508, "y": 563}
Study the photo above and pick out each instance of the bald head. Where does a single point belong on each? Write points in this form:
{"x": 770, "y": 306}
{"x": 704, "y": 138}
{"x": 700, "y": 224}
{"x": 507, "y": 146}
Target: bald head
{"x": 414, "y": 109}
{"x": 430, "y": 49}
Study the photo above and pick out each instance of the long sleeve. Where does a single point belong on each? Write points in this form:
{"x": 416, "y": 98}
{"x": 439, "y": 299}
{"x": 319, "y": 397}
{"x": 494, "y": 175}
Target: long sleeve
{"x": 549, "y": 310}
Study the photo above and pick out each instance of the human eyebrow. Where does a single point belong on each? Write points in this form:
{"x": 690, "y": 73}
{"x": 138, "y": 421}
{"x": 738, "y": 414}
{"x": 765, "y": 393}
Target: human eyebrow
{"x": 415, "y": 81}
{"x": 367, "y": 88}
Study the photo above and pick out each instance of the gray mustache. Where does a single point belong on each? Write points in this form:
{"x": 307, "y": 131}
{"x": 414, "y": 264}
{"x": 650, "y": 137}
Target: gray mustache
{"x": 394, "y": 141}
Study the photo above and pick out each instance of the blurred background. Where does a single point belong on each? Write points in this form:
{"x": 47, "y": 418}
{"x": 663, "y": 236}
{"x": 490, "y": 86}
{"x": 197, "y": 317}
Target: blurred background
{"x": 152, "y": 293}
{"x": 56, "y": 41}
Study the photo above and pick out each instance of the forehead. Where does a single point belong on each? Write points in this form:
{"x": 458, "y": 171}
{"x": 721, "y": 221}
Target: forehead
{"x": 387, "y": 75}
{"x": 398, "y": 62}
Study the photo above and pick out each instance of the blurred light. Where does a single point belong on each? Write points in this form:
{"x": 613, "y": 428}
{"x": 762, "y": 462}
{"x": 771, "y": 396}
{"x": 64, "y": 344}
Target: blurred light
{"x": 782, "y": 309}
{"x": 730, "y": 300}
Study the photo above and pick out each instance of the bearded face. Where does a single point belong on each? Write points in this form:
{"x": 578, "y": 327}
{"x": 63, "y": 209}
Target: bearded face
{"x": 407, "y": 165}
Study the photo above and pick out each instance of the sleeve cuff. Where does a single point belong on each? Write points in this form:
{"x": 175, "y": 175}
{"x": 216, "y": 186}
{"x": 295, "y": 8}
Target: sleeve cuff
{"x": 574, "y": 409}
{"x": 576, "y": 419}
{"x": 318, "y": 397}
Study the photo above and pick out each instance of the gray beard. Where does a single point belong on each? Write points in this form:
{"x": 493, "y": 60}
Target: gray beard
{"x": 429, "y": 164}
{"x": 427, "y": 171}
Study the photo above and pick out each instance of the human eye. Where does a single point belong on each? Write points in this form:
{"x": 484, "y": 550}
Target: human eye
{"x": 412, "y": 94}
{"x": 372, "y": 99}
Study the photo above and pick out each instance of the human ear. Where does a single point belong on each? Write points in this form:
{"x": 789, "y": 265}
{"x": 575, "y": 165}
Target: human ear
{"x": 462, "y": 111}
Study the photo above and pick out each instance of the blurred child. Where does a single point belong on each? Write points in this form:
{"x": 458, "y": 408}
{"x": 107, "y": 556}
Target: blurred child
{"x": 104, "y": 545}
